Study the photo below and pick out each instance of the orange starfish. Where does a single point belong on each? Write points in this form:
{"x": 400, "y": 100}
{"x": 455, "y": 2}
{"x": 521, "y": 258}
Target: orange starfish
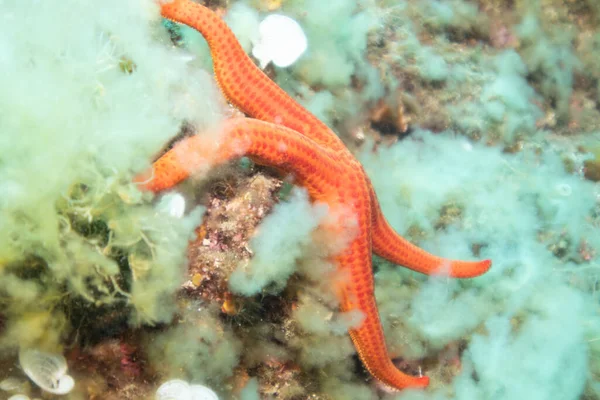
{"x": 287, "y": 137}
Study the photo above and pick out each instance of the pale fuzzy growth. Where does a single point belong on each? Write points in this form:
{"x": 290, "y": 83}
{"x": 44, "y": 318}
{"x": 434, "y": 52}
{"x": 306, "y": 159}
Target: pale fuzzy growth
{"x": 316, "y": 318}
{"x": 325, "y": 351}
{"x": 151, "y": 294}
{"x": 520, "y": 185}
{"x": 263, "y": 348}
{"x": 512, "y": 214}
{"x": 85, "y": 104}
{"x": 250, "y": 391}
{"x": 336, "y": 51}
{"x": 41, "y": 328}
{"x": 485, "y": 91}
{"x": 394, "y": 292}
{"x": 461, "y": 17}
{"x": 296, "y": 236}
{"x": 323, "y": 341}
{"x": 508, "y": 100}
{"x": 338, "y": 37}
{"x": 505, "y": 107}
{"x": 244, "y": 21}
{"x": 551, "y": 60}
{"x": 199, "y": 349}
{"x": 280, "y": 242}
{"x": 340, "y": 389}
{"x": 517, "y": 363}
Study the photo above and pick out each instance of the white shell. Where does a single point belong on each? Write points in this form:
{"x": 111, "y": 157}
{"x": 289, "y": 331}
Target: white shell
{"x": 65, "y": 384}
{"x": 172, "y": 204}
{"x": 19, "y": 397}
{"x": 11, "y": 383}
{"x": 281, "y": 40}
{"x": 175, "y": 389}
{"x": 200, "y": 392}
{"x": 47, "y": 370}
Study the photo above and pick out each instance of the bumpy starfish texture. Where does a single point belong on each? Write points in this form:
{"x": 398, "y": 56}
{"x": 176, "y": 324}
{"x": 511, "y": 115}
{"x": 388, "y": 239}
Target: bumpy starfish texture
{"x": 285, "y": 136}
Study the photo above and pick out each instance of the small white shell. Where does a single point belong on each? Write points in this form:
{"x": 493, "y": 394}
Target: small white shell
{"x": 11, "y": 383}
{"x": 46, "y": 370}
{"x": 200, "y": 392}
{"x": 19, "y": 397}
{"x": 172, "y": 204}
{"x": 65, "y": 384}
{"x": 281, "y": 41}
{"x": 175, "y": 389}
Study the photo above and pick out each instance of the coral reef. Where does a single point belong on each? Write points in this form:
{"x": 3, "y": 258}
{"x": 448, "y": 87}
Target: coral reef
{"x": 477, "y": 121}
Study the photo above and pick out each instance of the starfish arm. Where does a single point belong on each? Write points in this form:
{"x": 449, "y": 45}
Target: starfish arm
{"x": 370, "y": 345}
{"x": 265, "y": 143}
{"x": 241, "y": 81}
{"x": 388, "y": 244}
{"x": 357, "y": 294}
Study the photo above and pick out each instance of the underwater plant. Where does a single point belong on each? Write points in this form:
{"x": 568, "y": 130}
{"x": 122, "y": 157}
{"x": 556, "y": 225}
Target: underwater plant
{"x": 476, "y": 121}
